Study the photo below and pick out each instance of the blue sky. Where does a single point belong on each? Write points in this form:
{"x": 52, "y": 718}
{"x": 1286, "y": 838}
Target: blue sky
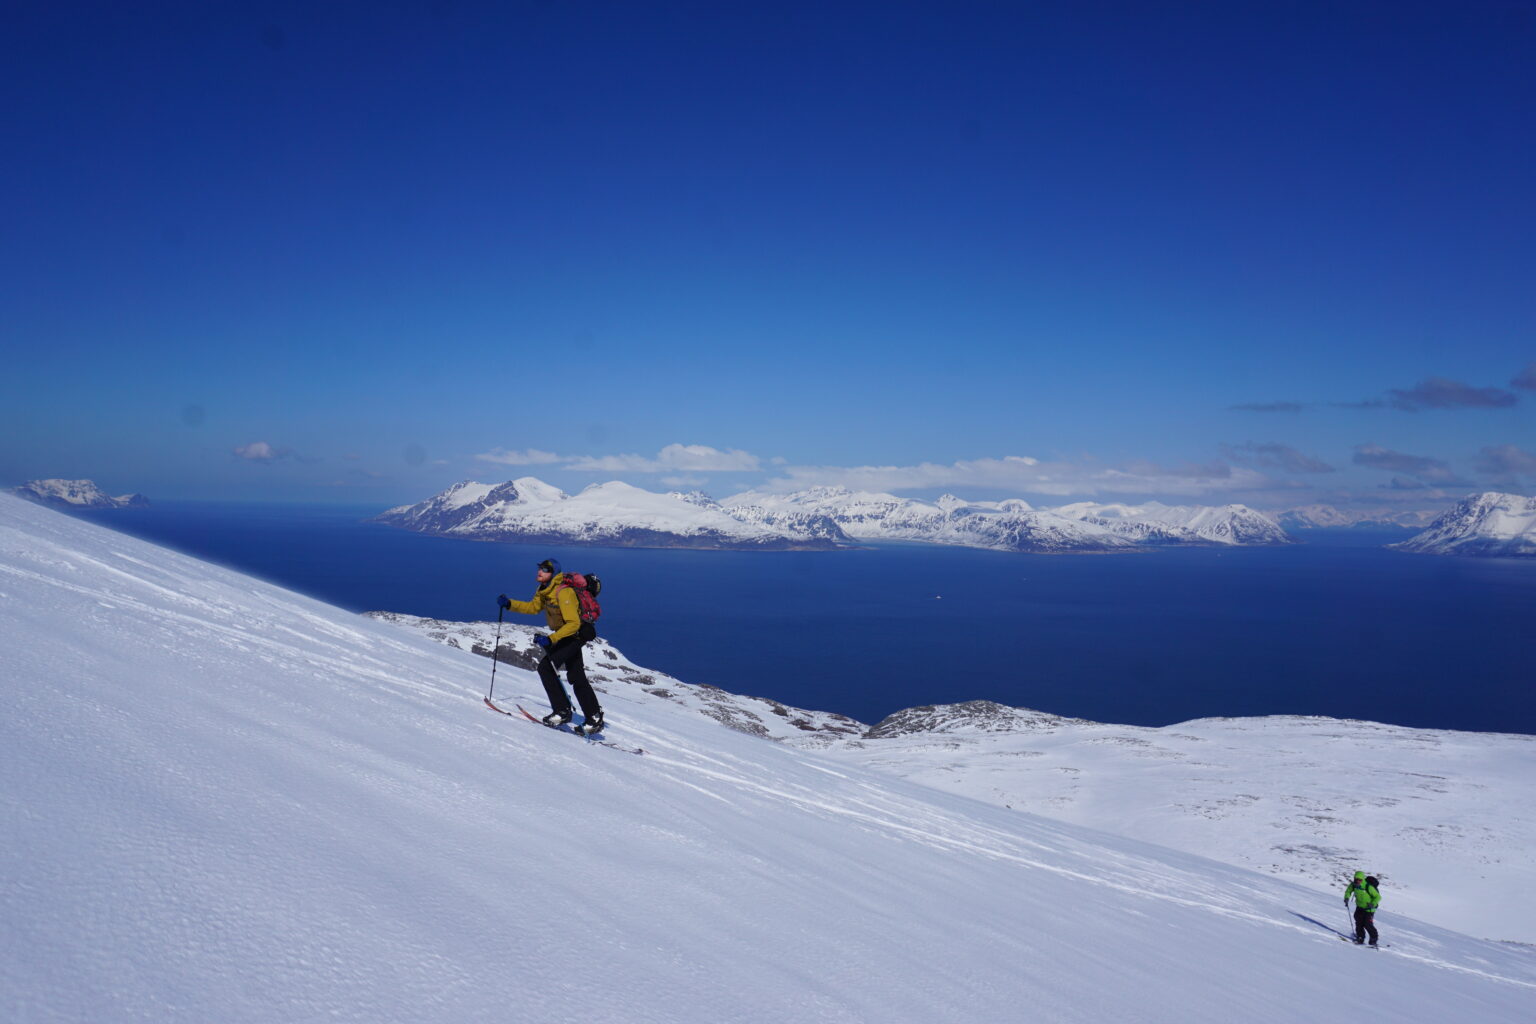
{"x": 1272, "y": 253}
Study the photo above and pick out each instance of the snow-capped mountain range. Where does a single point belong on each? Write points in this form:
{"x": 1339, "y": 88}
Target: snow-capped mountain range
{"x": 1489, "y": 524}
{"x": 1156, "y": 523}
{"x": 75, "y": 494}
{"x": 617, "y": 514}
{"x": 228, "y": 802}
{"x": 613, "y": 514}
{"x": 1325, "y": 517}
{"x": 1014, "y": 525}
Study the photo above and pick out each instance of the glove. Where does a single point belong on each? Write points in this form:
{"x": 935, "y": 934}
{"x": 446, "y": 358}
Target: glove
{"x": 503, "y": 602}
{"x": 541, "y": 640}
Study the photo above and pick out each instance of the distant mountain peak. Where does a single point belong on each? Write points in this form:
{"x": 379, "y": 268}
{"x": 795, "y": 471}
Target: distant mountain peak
{"x": 972, "y": 716}
{"x": 1490, "y": 524}
{"x": 75, "y": 494}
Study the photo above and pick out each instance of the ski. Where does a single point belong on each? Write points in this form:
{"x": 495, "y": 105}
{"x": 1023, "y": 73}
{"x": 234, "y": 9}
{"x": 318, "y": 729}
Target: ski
{"x": 593, "y": 738}
{"x": 538, "y": 721}
{"x": 496, "y": 709}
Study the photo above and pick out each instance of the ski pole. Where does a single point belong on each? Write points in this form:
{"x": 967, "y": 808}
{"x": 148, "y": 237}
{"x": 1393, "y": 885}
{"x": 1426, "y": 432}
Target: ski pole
{"x": 495, "y": 651}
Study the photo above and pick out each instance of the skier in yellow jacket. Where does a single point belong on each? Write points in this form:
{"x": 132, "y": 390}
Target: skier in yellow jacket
{"x": 562, "y": 647}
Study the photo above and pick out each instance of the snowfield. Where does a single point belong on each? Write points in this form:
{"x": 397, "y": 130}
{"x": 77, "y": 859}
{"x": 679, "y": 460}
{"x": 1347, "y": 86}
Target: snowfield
{"x": 225, "y": 801}
{"x": 1442, "y": 817}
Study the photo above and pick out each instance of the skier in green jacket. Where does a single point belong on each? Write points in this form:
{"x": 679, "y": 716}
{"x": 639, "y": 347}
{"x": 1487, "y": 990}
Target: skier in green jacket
{"x": 1363, "y": 890}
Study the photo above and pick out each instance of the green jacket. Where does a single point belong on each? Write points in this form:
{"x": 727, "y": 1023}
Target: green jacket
{"x": 1366, "y": 897}
{"x": 560, "y": 605}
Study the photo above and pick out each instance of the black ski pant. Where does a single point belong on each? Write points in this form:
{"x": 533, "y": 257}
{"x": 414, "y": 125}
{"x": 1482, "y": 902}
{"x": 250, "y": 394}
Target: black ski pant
{"x": 1365, "y": 921}
{"x": 566, "y": 654}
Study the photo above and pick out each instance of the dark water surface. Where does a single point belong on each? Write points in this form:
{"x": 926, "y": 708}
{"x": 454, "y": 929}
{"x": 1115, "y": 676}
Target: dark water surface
{"x": 1334, "y": 626}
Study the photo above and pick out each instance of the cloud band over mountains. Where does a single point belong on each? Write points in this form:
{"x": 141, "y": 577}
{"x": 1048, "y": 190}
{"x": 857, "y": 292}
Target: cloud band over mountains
{"x": 1430, "y": 393}
{"x": 681, "y": 465}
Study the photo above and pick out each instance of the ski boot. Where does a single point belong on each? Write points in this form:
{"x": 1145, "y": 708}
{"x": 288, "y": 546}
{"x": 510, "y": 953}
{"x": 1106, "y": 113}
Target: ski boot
{"x": 555, "y": 719}
{"x": 592, "y": 724}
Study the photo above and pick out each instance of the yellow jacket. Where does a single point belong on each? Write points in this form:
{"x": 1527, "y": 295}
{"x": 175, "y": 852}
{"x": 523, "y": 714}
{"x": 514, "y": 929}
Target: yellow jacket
{"x": 558, "y": 602}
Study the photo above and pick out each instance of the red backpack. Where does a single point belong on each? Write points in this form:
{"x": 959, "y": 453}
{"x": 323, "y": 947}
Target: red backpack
{"x": 587, "y": 586}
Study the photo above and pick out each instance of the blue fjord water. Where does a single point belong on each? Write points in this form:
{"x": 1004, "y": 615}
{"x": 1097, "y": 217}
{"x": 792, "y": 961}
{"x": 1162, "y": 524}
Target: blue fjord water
{"x": 1334, "y": 626}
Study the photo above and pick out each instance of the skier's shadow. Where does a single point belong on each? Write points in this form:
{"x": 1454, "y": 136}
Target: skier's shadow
{"x": 1325, "y": 927}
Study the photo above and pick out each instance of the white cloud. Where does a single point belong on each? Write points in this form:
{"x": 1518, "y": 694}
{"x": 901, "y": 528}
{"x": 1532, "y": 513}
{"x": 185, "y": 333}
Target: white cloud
{"x": 674, "y": 458}
{"x": 261, "y": 451}
{"x": 688, "y": 465}
{"x": 1507, "y": 460}
{"x": 531, "y": 457}
{"x": 1028, "y": 475}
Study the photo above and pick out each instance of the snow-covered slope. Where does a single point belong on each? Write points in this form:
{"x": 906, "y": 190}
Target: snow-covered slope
{"x": 75, "y": 494}
{"x": 1489, "y": 524}
{"x": 613, "y": 514}
{"x": 224, "y": 801}
{"x": 1156, "y": 523}
{"x": 1302, "y": 798}
{"x": 610, "y": 670}
{"x": 1444, "y": 818}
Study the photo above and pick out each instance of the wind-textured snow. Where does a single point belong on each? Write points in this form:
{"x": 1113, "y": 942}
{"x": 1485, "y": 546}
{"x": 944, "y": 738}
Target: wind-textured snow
{"x": 225, "y": 801}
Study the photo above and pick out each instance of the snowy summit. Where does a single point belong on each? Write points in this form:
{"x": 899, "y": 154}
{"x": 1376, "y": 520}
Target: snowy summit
{"x": 1489, "y": 524}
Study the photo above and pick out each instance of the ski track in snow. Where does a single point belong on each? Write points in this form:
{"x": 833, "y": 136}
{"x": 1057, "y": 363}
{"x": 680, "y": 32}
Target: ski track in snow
{"x": 939, "y": 832}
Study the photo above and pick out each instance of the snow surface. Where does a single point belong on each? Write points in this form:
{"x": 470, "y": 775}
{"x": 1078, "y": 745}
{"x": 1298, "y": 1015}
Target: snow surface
{"x": 225, "y": 801}
{"x": 1443, "y": 817}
